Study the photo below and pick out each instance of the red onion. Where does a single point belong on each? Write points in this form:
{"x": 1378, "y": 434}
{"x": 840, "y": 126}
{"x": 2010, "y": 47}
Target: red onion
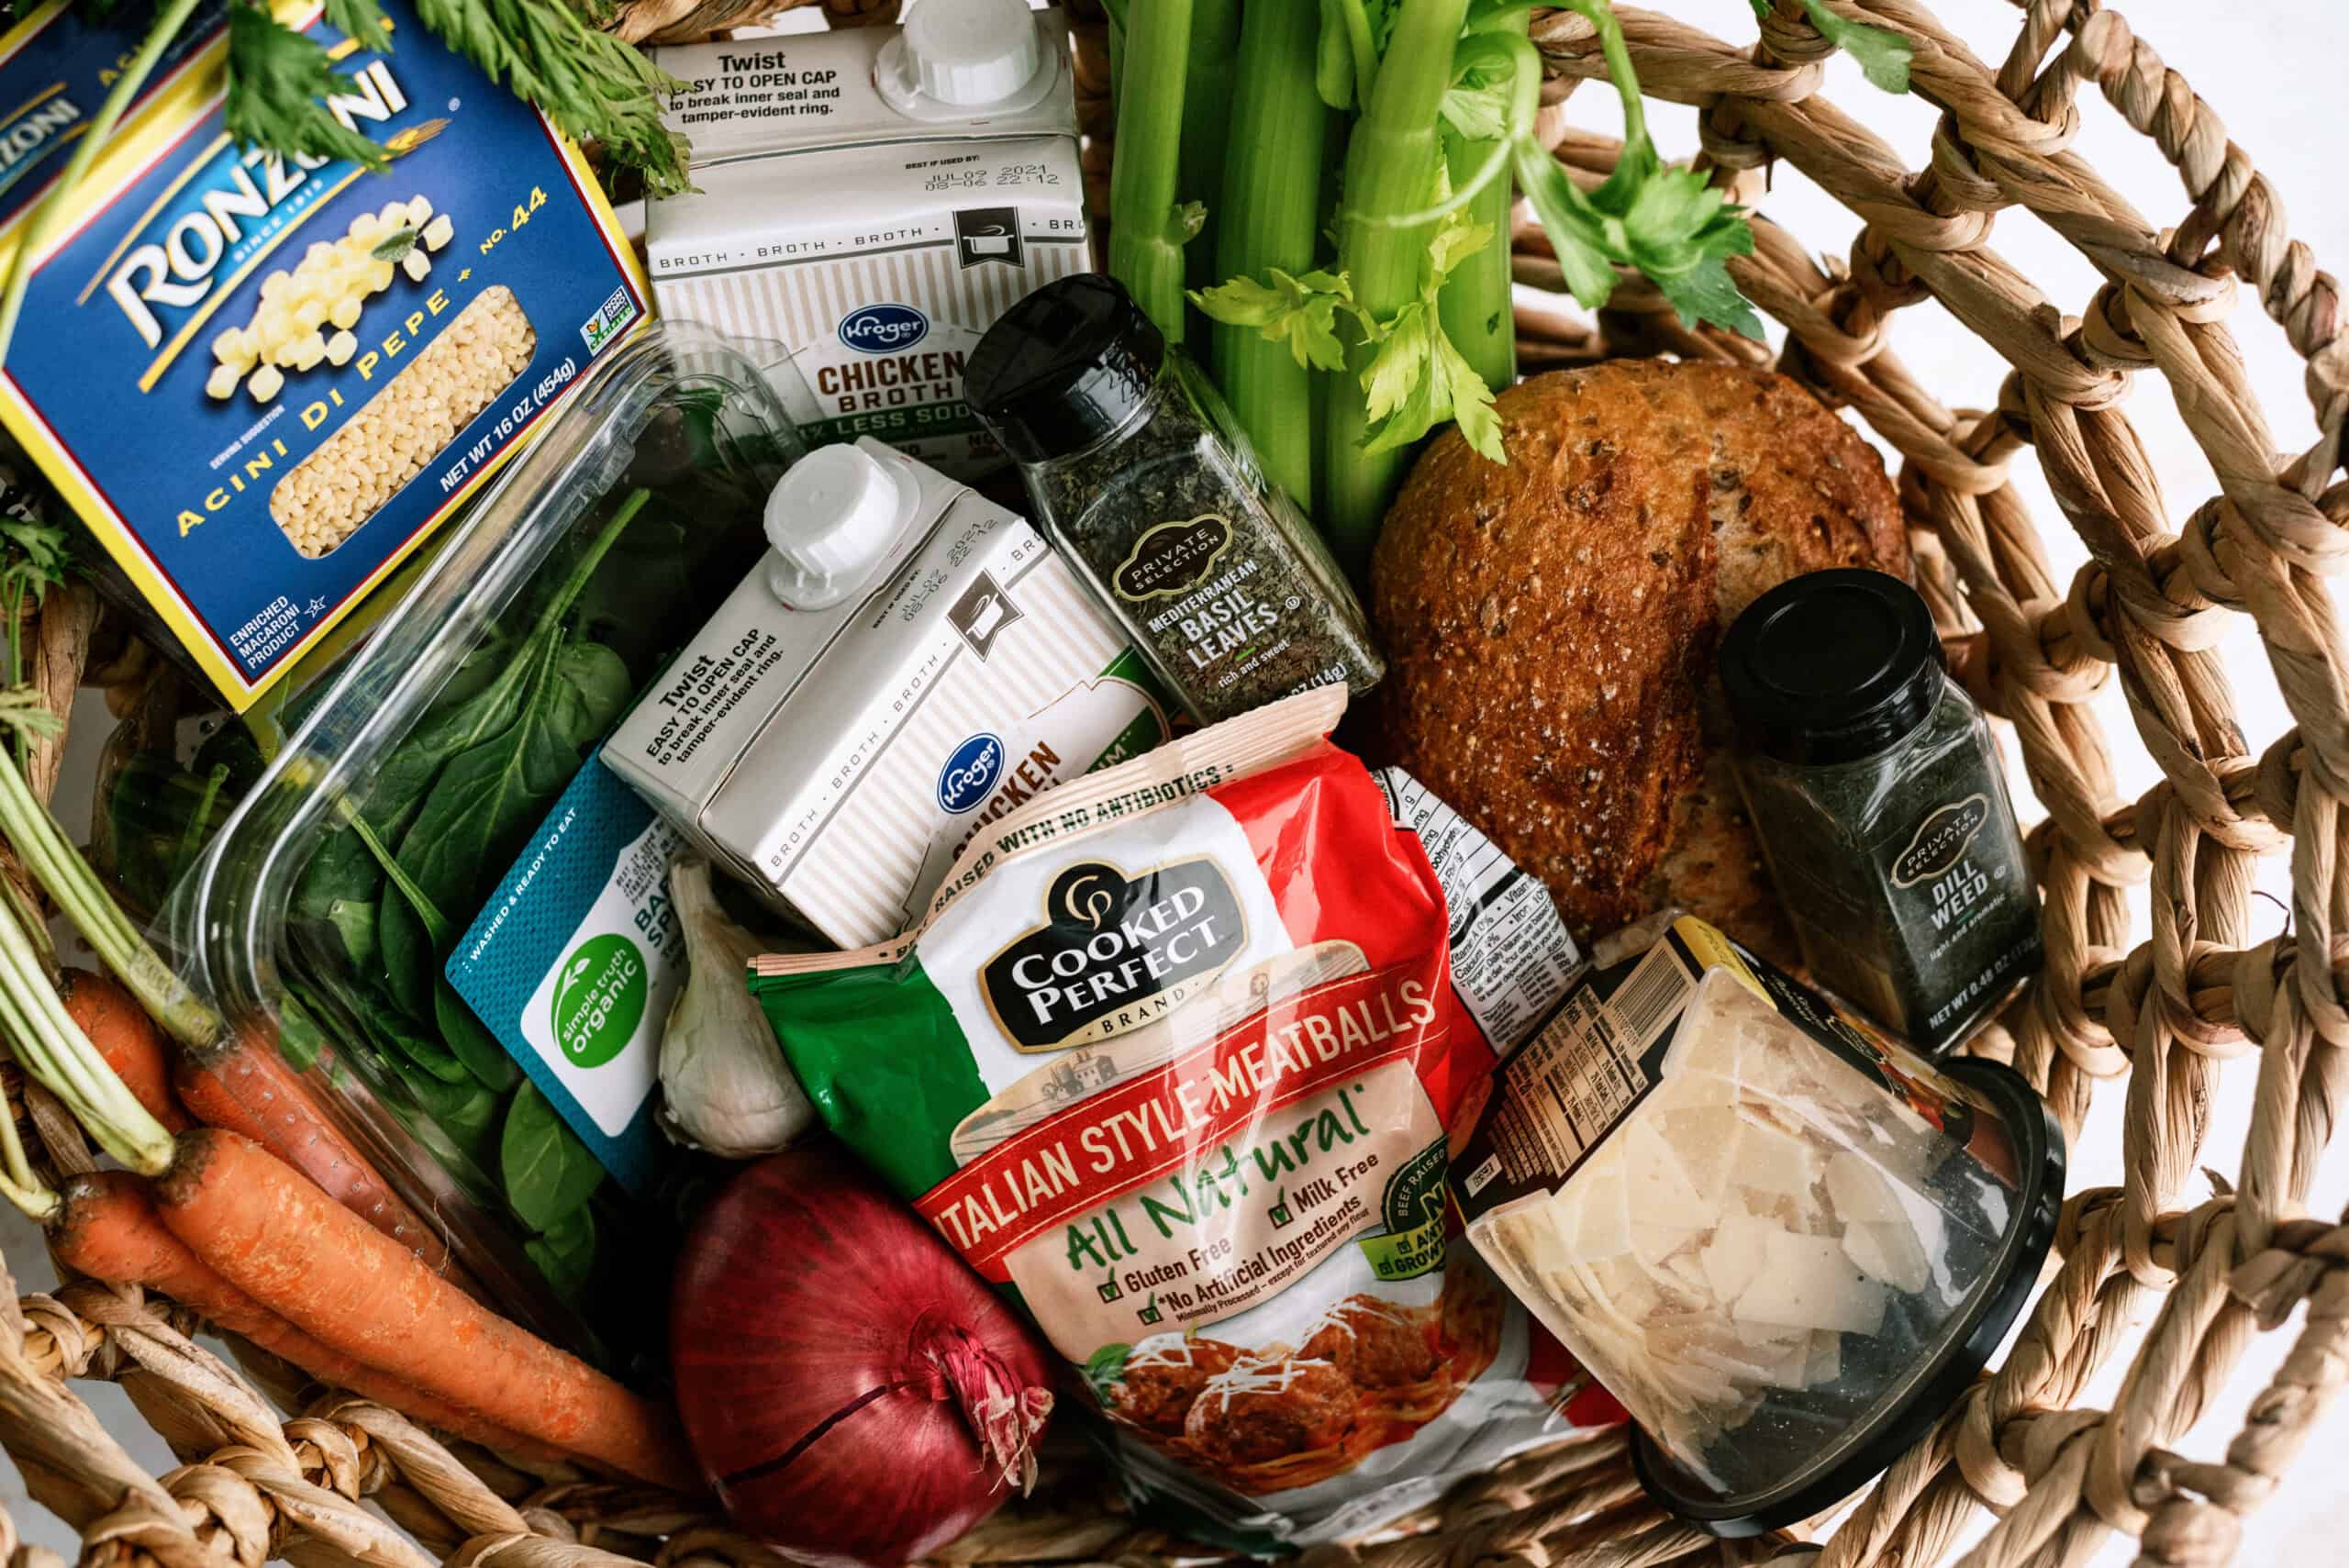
{"x": 855, "y": 1393}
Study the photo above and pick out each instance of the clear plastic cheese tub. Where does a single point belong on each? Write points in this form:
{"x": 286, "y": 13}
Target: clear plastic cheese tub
{"x": 307, "y": 919}
{"x": 1785, "y": 1243}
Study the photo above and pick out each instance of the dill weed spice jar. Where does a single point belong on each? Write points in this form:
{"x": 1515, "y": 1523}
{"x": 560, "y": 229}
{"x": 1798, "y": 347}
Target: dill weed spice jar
{"x": 1880, "y": 804}
{"x": 1140, "y": 476}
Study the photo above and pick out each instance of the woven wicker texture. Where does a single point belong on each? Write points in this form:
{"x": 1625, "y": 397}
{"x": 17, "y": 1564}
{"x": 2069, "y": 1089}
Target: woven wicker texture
{"x": 2156, "y": 1014}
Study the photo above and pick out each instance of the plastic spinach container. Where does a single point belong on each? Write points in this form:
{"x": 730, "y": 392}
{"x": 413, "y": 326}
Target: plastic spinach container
{"x": 321, "y": 914}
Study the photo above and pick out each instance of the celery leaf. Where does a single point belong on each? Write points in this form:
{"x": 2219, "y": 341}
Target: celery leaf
{"x": 1416, "y": 379}
{"x": 1478, "y": 105}
{"x": 1670, "y": 223}
{"x": 1301, "y": 312}
{"x": 1882, "y": 54}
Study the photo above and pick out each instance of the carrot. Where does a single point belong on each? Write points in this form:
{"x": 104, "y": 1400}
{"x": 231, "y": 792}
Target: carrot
{"x": 127, "y": 1039}
{"x": 244, "y": 1086}
{"x": 326, "y": 1271}
{"x": 108, "y": 1229}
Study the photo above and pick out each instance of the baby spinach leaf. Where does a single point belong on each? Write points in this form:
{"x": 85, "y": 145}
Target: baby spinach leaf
{"x": 549, "y": 1173}
{"x": 354, "y": 922}
{"x": 489, "y": 797}
{"x": 566, "y": 1254}
{"x": 472, "y": 1041}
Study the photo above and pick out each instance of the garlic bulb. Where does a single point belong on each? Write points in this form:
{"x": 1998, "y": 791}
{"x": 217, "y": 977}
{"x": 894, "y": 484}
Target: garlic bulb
{"x": 724, "y": 1086}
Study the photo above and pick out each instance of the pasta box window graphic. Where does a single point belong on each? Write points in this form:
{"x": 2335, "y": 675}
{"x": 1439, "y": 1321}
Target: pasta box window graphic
{"x": 262, "y": 379}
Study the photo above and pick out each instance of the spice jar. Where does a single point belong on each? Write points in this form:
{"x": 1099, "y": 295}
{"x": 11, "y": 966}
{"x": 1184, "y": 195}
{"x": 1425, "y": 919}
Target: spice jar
{"x": 1882, "y": 810}
{"x": 1140, "y": 474}
{"x": 1785, "y": 1244}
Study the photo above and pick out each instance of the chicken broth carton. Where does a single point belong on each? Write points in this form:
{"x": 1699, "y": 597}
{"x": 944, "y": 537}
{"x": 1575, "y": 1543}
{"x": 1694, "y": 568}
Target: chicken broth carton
{"x": 909, "y": 663}
{"x": 874, "y": 199}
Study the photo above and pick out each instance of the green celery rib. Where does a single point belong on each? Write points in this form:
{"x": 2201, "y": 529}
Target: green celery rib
{"x": 1390, "y": 169}
{"x": 1474, "y": 306}
{"x": 1145, "y": 252}
{"x": 1206, "y": 120}
{"x": 1272, "y": 217}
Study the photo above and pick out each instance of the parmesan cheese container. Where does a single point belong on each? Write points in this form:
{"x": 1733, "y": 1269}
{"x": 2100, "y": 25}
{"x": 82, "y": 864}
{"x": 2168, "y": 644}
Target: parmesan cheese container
{"x": 1785, "y": 1243}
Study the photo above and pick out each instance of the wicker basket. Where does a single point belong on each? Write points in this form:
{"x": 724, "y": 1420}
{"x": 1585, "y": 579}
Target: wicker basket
{"x": 2163, "y": 1007}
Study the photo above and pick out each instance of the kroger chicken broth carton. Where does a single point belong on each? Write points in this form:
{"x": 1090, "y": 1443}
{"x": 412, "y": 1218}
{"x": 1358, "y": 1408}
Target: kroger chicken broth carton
{"x": 263, "y": 381}
{"x": 908, "y": 663}
{"x": 874, "y": 199}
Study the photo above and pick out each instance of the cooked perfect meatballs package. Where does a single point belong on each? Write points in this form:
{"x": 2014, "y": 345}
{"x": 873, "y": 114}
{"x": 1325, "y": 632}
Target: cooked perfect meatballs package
{"x": 1171, "y": 1058}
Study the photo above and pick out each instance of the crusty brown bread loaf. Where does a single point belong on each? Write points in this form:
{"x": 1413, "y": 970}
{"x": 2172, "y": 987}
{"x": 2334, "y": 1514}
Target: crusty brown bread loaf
{"x": 1549, "y": 625}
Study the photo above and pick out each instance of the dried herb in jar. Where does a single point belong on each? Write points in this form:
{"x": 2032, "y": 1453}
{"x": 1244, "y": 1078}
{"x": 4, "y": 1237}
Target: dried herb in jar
{"x": 1141, "y": 475}
{"x": 1880, "y": 804}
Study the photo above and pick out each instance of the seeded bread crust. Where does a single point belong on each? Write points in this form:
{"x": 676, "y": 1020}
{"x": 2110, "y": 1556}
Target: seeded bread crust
{"x": 1550, "y": 626}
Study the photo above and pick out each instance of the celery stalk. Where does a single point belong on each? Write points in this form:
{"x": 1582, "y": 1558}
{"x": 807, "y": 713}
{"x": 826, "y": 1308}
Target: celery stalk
{"x": 1272, "y": 217}
{"x": 1206, "y": 120}
{"x": 1391, "y": 161}
{"x": 1474, "y": 306}
{"x": 1147, "y": 228}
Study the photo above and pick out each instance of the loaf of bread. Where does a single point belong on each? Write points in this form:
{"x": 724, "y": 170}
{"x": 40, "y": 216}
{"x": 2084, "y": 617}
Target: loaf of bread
{"x": 1549, "y": 625}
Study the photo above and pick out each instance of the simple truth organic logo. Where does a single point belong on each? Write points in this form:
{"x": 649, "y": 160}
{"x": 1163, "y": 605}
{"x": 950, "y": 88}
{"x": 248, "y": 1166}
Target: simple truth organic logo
{"x": 599, "y": 1000}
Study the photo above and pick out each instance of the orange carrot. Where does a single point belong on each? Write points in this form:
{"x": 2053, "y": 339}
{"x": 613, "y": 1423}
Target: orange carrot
{"x": 326, "y": 1271}
{"x": 127, "y": 1039}
{"x": 108, "y": 1229}
{"x": 244, "y": 1086}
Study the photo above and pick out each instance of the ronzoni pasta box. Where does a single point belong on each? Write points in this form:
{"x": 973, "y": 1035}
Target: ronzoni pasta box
{"x": 262, "y": 381}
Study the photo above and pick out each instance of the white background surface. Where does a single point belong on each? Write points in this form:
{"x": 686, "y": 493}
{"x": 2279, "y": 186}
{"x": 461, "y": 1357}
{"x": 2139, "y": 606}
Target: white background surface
{"x": 2278, "y": 81}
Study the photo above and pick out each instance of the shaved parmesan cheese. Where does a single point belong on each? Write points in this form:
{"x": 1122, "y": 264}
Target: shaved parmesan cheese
{"x": 1735, "y": 1254}
{"x": 1860, "y": 1193}
{"x": 1657, "y": 1182}
{"x": 1806, "y": 1283}
{"x": 1893, "y": 1253}
{"x": 1593, "y": 1215}
{"x": 1653, "y": 1243}
{"x": 1771, "y": 1161}
{"x": 1826, "y": 1362}
{"x": 1707, "y": 1138}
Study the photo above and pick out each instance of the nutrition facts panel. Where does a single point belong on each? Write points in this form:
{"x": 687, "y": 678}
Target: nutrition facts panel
{"x": 1564, "y": 1093}
{"x": 1511, "y": 956}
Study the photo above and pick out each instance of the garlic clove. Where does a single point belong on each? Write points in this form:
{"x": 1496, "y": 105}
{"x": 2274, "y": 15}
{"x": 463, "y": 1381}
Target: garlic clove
{"x": 725, "y": 1087}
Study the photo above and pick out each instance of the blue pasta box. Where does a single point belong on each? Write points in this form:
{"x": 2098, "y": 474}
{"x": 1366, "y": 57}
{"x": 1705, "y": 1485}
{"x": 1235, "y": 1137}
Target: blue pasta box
{"x": 57, "y": 66}
{"x": 263, "y": 382}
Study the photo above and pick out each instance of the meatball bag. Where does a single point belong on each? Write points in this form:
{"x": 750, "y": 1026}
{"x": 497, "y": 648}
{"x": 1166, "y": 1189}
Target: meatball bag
{"x": 1171, "y": 1059}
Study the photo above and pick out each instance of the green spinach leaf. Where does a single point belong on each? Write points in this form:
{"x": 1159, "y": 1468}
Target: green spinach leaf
{"x": 549, "y": 1173}
{"x": 490, "y": 797}
{"x": 472, "y": 1041}
{"x": 566, "y": 1254}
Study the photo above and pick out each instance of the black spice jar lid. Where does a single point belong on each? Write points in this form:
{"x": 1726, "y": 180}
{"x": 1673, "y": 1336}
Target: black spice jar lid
{"x": 1908, "y": 1410}
{"x": 1064, "y": 367}
{"x": 1832, "y": 666}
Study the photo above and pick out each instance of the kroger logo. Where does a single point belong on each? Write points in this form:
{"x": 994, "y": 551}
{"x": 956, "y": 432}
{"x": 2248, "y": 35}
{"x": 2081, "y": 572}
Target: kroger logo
{"x": 884, "y": 329}
{"x": 970, "y": 773}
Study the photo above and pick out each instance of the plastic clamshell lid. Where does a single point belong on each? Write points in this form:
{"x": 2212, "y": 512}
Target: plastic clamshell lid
{"x": 227, "y": 923}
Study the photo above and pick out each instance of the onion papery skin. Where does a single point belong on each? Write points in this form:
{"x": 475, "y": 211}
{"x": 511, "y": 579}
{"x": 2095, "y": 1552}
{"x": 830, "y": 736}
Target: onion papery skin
{"x": 809, "y": 1294}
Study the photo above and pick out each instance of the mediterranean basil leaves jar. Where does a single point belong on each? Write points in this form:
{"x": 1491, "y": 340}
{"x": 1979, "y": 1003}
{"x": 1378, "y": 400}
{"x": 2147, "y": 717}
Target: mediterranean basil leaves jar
{"x": 1880, "y": 804}
{"x": 1141, "y": 475}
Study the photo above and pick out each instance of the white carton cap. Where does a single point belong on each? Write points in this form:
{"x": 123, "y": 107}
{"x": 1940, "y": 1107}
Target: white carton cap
{"x": 832, "y": 518}
{"x": 971, "y": 52}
